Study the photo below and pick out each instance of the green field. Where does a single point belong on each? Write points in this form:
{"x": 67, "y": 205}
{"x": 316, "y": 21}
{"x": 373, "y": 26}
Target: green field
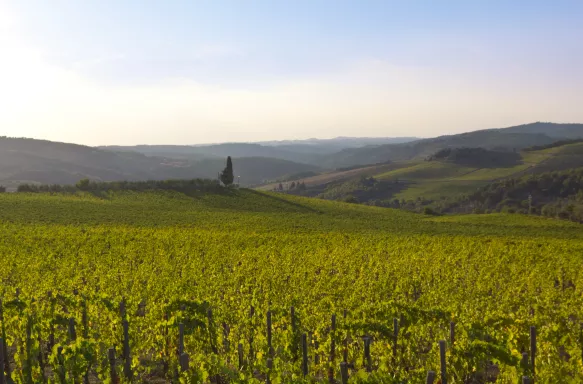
{"x": 173, "y": 257}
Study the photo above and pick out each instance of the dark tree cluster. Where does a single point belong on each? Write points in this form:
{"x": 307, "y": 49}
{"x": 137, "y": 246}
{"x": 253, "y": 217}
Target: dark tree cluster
{"x": 559, "y": 143}
{"x": 554, "y": 194}
{"x": 185, "y": 186}
{"x": 476, "y": 157}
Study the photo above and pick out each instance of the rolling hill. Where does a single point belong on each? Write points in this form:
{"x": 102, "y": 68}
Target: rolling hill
{"x": 446, "y": 174}
{"x": 311, "y": 151}
{"x": 509, "y": 139}
{"x": 567, "y": 131}
{"x": 39, "y": 161}
{"x": 46, "y": 162}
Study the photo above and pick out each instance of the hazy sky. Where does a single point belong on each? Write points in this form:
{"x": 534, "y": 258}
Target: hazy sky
{"x": 185, "y": 72}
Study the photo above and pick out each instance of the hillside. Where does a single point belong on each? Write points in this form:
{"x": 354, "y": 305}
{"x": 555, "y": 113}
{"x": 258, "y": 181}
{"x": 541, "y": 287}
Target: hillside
{"x": 553, "y": 194}
{"x": 446, "y": 174}
{"x": 213, "y": 151}
{"x": 40, "y": 161}
{"x": 508, "y": 139}
{"x": 242, "y": 210}
{"x": 28, "y": 160}
{"x": 564, "y": 131}
{"x": 202, "y": 274}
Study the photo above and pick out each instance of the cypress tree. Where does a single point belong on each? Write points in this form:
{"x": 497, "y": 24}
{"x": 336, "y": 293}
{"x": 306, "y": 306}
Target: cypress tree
{"x": 227, "y": 175}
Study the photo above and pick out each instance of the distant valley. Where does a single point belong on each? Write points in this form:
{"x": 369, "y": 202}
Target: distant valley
{"x": 256, "y": 164}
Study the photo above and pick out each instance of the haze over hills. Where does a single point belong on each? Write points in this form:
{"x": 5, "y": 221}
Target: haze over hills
{"x": 46, "y": 162}
{"x": 39, "y": 161}
{"x": 346, "y": 152}
{"x": 508, "y": 139}
{"x": 310, "y": 151}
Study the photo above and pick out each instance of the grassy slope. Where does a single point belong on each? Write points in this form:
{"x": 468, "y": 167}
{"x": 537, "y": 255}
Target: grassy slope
{"x": 248, "y": 209}
{"x": 435, "y": 179}
{"x": 336, "y": 176}
{"x": 432, "y": 180}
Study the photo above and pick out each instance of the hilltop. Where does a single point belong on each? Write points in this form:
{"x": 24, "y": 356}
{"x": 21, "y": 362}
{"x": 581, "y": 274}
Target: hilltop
{"x": 507, "y": 139}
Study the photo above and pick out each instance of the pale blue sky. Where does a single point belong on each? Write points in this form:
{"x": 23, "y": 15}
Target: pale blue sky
{"x": 176, "y": 72}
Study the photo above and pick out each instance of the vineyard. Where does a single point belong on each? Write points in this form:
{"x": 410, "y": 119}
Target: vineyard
{"x": 239, "y": 286}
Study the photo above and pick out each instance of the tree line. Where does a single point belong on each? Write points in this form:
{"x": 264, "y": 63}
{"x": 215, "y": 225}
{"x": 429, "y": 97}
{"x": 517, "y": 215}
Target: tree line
{"x": 226, "y": 178}
{"x": 553, "y": 194}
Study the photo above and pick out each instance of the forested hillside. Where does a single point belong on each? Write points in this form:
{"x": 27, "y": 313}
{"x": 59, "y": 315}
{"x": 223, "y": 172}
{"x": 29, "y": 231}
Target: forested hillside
{"x": 553, "y": 194}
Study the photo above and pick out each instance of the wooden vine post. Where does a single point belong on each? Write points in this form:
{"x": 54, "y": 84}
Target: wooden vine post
{"x": 533, "y": 351}
{"x": 127, "y": 367}
{"x": 226, "y": 342}
{"x": 442, "y": 348}
{"x": 345, "y": 352}
{"x": 344, "y": 372}
{"x": 269, "y": 336}
{"x": 28, "y": 346}
{"x": 4, "y": 346}
{"x": 52, "y": 322}
{"x": 212, "y": 339}
{"x": 72, "y": 338}
{"x": 524, "y": 363}
{"x": 395, "y": 337}
{"x": 294, "y": 331}
{"x": 332, "y": 356}
{"x": 184, "y": 362}
{"x": 61, "y": 370}
{"x": 430, "y": 377}
{"x": 2, "y": 377}
{"x": 85, "y": 322}
{"x": 305, "y": 354}
{"x": 241, "y": 356}
{"x": 367, "y": 357}
{"x": 180, "y": 339}
{"x": 269, "y": 368}
{"x": 112, "y": 370}
{"x": 251, "y": 350}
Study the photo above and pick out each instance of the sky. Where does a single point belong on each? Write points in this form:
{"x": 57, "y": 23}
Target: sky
{"x": 124, "y": 72}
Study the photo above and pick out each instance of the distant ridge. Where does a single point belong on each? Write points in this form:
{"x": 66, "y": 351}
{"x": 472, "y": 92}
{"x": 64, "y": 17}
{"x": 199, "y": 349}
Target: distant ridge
{"x": 41, "y": 161}
{"x": 310, "y": 151}
{"x": 511, "y": 138}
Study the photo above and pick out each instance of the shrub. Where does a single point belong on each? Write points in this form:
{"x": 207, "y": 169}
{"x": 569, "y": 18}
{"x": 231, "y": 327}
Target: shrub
{"x": 351, "y": 199}
{"x": 429, "y": 211}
